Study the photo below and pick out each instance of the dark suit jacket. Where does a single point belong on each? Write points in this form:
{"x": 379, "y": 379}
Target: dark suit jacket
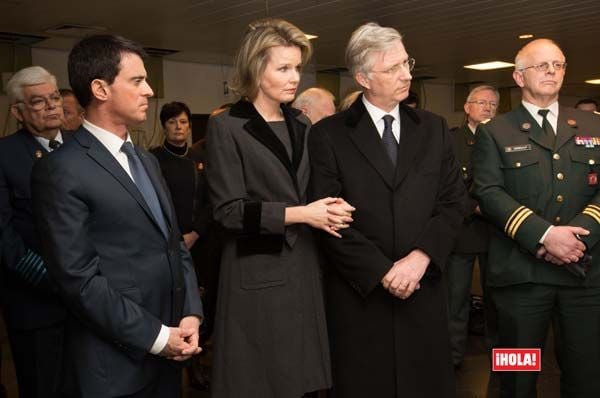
{"x": 403, "y": 344}
{"x": 473, "y": 236}
{"x": 27, "y": 305}
{"x": 119, "y": 275}
{"x": 526, "y": 181}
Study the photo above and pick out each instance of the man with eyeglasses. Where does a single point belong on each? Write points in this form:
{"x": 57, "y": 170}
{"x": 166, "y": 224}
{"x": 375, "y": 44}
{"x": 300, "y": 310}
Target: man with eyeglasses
{"x": 385, "y": 296}
{"x": 472, "y": 242}
{"x": 33, "y": 312}
{"x": 536, "y": 180}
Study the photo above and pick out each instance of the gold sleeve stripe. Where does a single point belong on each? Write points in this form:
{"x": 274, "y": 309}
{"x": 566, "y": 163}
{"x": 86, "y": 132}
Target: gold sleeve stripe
{"x": 512, "y": 218}
{"x": 592, "y": 213}
{"x": 593, "y": 206}
{"x": 517, "y": 224}
{"x": 593, "y": 210}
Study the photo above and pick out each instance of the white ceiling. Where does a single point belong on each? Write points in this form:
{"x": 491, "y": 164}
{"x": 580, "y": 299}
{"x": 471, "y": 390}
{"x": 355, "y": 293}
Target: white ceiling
{"x": 442, "y": 35}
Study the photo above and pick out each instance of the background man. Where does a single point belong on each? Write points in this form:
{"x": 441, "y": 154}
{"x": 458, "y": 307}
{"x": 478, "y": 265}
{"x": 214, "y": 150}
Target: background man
{"x": 587, "y": 104}
{"x": 72, "y": 110}
{"x": 111, "y": 237}
{"x": 316, "y": 103}
{"x": 33, "y": 312}
{"x": 384, "y": 291}
{"x": 472, "y": 242}
{"x": 535, "y": 179}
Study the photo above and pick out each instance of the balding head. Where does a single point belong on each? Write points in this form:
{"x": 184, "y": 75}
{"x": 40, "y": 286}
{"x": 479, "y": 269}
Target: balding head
{"x": 315, "y": 103}
{"x": 539, "y": 71}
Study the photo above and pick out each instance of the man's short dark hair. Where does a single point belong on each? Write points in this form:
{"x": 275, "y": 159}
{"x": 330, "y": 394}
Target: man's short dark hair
{"x": 97, "y": 57}
{"x": 173, "y": 109}
{"x": 586, "y": 101}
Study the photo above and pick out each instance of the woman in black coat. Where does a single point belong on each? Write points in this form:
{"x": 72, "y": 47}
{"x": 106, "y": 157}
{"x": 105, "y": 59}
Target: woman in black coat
{"x": 270, "y": 335}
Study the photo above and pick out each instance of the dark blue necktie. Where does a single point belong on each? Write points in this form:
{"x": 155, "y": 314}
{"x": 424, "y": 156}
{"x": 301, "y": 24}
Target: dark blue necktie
{"x": 389, "y": 142}
{"x": 142, "y": 181}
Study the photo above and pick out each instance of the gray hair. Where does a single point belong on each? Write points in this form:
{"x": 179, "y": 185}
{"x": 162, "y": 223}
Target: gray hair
{"x": 365, "y": 40}
{"x": 310, "y": 95}
{"x": 30, "y": 76}
{"x": 483, "y": 87}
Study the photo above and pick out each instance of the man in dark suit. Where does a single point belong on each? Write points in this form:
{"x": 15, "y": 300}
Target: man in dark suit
{"x": 112, "y": 240}
{"x": 33, "y": 312}
{"x": 536, "y": 181}
{"x": 472, "y": 242}
{"x": 385, "y": 297}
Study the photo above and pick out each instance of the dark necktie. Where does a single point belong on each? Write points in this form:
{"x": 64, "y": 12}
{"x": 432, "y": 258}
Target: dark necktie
{"x": 546, "y": 125}
{"x": 54, "y": 144}
{"x": 142, "y": 181}
{"x": 389, "y": 142}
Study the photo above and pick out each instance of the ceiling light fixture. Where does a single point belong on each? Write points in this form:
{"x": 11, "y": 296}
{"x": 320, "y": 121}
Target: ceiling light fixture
{"x": 593, "y": 81}
{"x": 310, "y": 37}
{"x": 490, "y": 65}
{"x": 526, "y": 36}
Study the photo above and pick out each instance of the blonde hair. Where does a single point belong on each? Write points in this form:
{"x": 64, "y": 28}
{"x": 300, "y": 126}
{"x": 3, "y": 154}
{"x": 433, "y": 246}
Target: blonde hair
{"x": 253, "y": 54}
{"x": 365, "y": 40}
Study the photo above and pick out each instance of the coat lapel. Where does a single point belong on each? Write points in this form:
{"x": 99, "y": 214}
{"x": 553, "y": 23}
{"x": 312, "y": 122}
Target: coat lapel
{"x": 367, "y": 140}
{"x": 258, "y": 128}
{"x": 106, "y": 160}
{"x": 566, "y": 127}
{"x": 33, "y": 147}
{"x": 410, "y": 140}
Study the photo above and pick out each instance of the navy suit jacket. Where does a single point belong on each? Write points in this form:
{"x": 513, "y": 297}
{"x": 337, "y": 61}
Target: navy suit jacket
{"x": 119, "y": 274}
{"x": 27, "y": 306}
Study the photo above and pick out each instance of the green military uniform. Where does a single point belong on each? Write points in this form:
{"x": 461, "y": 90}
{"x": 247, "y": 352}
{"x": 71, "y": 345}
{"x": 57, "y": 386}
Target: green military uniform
{"x": 471, "y": 244}
{"x": 526, "y": 181}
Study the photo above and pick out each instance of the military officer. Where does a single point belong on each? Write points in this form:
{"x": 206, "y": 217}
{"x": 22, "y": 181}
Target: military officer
{"x": 472, "y": 242}
{"x": 536, "y": 181}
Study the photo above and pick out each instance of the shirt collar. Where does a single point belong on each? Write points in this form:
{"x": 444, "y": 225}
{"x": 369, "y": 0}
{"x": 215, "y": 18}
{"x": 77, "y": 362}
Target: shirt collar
{"x": 45, "y": 142}
{"x": 111, "y": 141}
{"x": 533, "y": 109}
{"x": 377, "y": 114}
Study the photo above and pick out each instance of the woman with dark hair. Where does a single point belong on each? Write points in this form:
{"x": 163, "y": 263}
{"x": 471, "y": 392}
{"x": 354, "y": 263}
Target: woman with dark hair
{"x": 270, "y": 333}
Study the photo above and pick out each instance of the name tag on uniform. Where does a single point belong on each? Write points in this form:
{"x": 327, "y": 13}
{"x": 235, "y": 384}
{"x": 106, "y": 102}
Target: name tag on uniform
{"x": 517, "y": 148}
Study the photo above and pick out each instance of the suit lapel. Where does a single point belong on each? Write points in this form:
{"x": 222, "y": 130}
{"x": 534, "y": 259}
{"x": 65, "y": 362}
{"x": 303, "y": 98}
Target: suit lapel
{"x": 106, "y": 160}
{"x": 410, "y": 140}
{"x": 566, "y": 127}
{"x": 33, "y": 147}
{"x": 158, "y": 186}
{"x": 367, "y": 140}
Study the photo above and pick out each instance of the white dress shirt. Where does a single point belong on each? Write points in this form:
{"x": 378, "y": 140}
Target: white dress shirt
{"x": 377, "y": 116}
{"x": 552, "y": 116}
{"x": 113, "y": 143}
{"x": 45, "y": 142}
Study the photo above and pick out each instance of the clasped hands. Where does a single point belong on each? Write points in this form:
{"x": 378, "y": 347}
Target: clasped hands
{"x": 329, "y": 214}
{"x": 562, "y": 246}
{"x": 405, "y": 275}
{"x": 183, "y": 340}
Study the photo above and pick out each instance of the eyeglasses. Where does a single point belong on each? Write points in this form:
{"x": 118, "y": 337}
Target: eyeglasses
{"x": 545, "y": 66}
{"x": 40, "y": 103}
{"x": 483, "y": 103}
{"x": 409, "y": 65}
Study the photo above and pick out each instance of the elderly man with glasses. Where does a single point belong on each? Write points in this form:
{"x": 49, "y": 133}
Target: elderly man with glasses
{"x": 536, "y": 180}
{"x": 472, "y": 243}
{"x": 33, "y": 313}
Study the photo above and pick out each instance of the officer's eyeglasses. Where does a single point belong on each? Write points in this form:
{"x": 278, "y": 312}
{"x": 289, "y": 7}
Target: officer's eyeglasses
{"x": 545, "y": 66}
{"x": 483, "y": 103}
{"x": 40, "y": 103}
{"x": 409, "y": 65}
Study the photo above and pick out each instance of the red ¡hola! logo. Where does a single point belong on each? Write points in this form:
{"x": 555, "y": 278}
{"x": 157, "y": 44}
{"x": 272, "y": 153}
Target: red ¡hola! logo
{"x": 519, "y": 359}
